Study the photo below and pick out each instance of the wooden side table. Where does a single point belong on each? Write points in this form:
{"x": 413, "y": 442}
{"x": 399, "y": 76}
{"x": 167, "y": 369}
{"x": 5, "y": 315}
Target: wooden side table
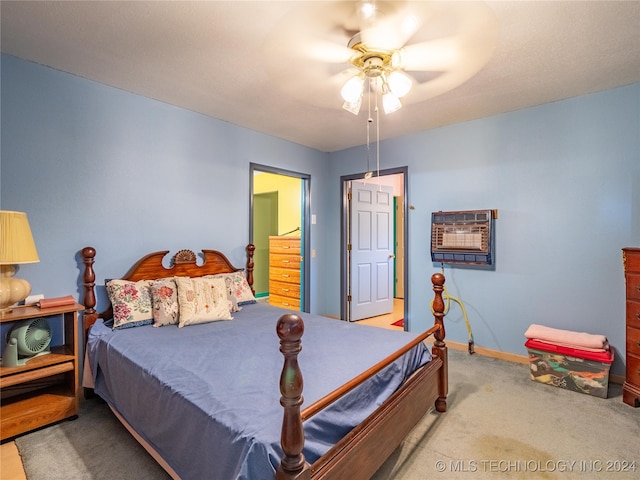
{"x": 45, "y": 389}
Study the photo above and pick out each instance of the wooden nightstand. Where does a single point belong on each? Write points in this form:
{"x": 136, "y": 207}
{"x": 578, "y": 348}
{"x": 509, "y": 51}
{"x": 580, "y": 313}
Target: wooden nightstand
{"x": 45, "y": 389}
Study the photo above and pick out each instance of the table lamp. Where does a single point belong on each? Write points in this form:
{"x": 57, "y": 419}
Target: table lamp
{"x": 16, "y": 247}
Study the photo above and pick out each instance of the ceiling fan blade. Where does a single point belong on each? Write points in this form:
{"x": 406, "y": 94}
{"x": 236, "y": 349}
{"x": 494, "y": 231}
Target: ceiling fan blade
{"x": 326, "y": 51}
{"x": 467, "y": 49}
{"x": 312, "y": 32}
{"x": 390, "y": 31}
{"x": 423, "y": 76}
{"x": 440, "y": 54}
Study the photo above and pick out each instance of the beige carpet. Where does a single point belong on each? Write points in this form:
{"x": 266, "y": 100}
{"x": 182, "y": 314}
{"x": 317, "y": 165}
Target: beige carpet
{"x": 499, "y": 424}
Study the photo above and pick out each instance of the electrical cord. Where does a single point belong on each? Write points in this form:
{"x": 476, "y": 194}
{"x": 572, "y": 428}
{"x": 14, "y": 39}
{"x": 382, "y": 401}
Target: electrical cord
{"x": 448, "y": 298}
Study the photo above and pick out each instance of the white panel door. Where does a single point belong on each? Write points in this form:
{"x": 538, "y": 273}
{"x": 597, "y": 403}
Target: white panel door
{"x": 371, "y": 257}
{"x": 399, "y": 260}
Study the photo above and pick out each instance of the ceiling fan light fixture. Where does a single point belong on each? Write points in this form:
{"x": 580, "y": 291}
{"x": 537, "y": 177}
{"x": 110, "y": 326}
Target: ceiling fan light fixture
{"x": 383, "y": 69}
{"x": 352, "y": 90}
{"x": 390, "y": 101}
{"x": 399, "y": 83}
{"x": 353, "y": 107}
{"x": 397, "y": 61}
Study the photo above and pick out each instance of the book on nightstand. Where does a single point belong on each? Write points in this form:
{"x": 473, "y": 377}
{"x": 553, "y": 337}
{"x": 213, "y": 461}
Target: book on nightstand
{"x": 56, "y": 302}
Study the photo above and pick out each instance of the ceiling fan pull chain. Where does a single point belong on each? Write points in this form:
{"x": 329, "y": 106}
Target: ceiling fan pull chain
{"x": 378, "y": 142}
{"x": 369, "y": 173}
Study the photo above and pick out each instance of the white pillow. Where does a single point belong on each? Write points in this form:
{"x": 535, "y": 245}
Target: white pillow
{"x": 202, "y": 300}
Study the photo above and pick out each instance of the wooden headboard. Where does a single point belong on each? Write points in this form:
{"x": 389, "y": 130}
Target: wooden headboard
{"x": 150, "y": 267}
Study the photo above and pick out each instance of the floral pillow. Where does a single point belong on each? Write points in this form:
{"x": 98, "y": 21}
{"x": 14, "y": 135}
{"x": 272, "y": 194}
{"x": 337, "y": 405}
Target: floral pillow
{"x": 202, "y": 300}
{"x": 164, "y": 302}
{"x": 131, "y": 302}
{"x": 239, "y": 288}
{"x": 231, "y": 299}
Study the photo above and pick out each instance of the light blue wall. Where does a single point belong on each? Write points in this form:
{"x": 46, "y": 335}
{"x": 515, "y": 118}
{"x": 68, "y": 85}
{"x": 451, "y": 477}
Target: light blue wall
{"x": 565, "y": 178}
{"x": 93, "y": 165}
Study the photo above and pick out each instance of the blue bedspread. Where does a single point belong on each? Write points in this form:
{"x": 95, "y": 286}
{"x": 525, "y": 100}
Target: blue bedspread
{"x": 206, "y": 397}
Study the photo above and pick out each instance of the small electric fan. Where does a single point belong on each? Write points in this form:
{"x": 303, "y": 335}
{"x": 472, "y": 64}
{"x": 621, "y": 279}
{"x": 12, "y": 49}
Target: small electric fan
{"x": 27, "y": 339}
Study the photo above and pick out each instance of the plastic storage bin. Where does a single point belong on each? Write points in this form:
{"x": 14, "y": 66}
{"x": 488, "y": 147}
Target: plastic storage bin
{"x": 570, "y": 368}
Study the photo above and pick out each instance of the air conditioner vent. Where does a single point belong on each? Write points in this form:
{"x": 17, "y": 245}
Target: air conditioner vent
{"x": 462, "y": 237}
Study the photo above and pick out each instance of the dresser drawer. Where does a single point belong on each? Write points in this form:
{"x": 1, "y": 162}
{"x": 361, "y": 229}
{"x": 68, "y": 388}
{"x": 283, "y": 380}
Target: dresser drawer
{"x": 284, "y": 302}
{"x": 284, "y": 261}
{"x": 633, "y": 341}
{"x": 284, "y": 275}
{"x": 633, "y": 286}
{"x": 288, "y": 245}
{"x": 633, "y": 370}
{"x": 290, "y": 290}
{"x": 633, "y": 314}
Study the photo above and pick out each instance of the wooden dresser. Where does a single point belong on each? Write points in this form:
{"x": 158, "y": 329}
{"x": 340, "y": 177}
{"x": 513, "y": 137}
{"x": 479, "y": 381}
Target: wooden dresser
{"x": 631, "y": 262}
{"x": 284, "y": 272}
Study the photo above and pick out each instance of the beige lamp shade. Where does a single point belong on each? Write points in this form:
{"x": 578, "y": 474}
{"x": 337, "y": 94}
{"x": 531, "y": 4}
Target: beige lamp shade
{"x": 16, "y": 247}
{"x": 16, "y": 242}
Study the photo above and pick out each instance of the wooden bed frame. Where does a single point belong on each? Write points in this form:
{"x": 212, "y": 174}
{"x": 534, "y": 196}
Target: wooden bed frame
{"x": 363, "y": 450}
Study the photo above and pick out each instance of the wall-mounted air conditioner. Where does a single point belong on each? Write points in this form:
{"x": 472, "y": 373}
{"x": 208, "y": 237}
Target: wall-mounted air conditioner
{"x": 464, "y": 237}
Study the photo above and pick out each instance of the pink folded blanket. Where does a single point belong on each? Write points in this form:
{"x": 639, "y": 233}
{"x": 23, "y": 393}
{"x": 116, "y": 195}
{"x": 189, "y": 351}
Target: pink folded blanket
{"x": 566, "y": 337}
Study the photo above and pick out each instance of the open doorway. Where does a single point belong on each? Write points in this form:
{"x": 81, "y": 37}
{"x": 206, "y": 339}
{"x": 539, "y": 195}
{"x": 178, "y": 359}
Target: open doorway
{"x": 279, "y": 229}
{"x": 368, "y": 278}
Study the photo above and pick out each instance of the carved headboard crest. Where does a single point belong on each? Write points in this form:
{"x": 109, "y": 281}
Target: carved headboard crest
{"x": 183, "y": 256}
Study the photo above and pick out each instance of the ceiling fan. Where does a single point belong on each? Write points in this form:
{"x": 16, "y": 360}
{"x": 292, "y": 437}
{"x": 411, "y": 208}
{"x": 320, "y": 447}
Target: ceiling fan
{"x": 413, "y": 50}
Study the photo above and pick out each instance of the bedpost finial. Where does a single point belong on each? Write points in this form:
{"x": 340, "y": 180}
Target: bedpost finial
{"x": 290, "y": 327}
{"x": 437, "y": 279}
{"x": 88, "y": 252}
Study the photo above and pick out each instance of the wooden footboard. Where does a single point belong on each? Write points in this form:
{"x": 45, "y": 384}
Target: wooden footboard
{"x": 361, "y": 452}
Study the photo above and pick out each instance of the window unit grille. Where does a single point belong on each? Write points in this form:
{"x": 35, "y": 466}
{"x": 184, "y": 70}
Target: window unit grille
{"x": 463, "y": 237}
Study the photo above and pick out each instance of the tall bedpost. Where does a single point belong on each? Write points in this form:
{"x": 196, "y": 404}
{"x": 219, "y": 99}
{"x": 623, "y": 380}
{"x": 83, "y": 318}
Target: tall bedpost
{"x": 439, "y": 347}
{"x": 251, "y": 248}
{"x": 89, "y": 279}
{"x": 292, "y": 465}
{"x": 89, "y": 315}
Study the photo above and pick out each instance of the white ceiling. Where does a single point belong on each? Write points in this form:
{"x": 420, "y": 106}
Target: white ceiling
{"x": 230, "y": 60}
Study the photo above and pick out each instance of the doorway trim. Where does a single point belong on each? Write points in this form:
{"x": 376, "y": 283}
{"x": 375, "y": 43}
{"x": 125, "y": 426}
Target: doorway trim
{"x": 305, "y": 206}
{"x": 344, "y": 219}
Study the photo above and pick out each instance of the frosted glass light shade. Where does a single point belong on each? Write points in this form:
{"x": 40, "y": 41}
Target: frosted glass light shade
{"x": 399, "y": 83}
{"x": 390, "y": 102}
{"x": 353, "y": 107}
{"x": 352, "y": 90}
